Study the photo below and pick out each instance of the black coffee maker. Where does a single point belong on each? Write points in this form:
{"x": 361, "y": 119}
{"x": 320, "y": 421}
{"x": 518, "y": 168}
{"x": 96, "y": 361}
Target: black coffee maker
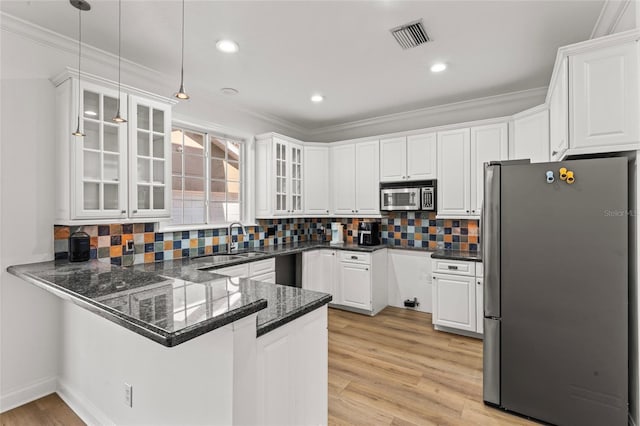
{"x": 79, "y": 247}
{"x": 368, "y": 234}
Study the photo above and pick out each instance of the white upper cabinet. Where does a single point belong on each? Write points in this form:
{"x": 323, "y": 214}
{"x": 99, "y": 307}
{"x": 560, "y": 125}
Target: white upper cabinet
{"x": 393, "y": 159}
{"x": 279, "y": 177}
{"x": 116, "y": 172}
{"x": 150, "y": 151}
{"x": 454, "y": 185}
{"x": 531, "y": 135}
{"x": 408, "y": 158}
{"x": 559, "y": 113}
{"x": 367, "y": 178}
{"x": 604, "y": 101}
{"x": 355, "y": 179}
{"x": 488, "y": 143}
{"x": 316, "y": 184}
{"x": 421, "y": 157}
{"x": 461, "y": 157}
{"x": 343, "y": 178}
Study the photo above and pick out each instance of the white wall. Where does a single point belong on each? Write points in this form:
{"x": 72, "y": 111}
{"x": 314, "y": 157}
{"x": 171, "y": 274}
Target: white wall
{"x": 29, "y": 316}
{"x": 409, "y": 276}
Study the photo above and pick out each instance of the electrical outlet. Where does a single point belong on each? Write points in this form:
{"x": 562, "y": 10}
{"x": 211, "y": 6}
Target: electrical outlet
{"x": 129, "y": 244}
{"x": 128, "y": 395}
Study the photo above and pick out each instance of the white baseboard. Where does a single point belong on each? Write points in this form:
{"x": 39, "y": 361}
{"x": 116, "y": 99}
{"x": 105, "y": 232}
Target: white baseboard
{"x": 85, "y": 409}
{"x": 27, "y": 394}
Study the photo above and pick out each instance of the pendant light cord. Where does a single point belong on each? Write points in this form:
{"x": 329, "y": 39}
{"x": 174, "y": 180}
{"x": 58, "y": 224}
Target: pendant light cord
{"x": 182, "y": 59}
{"x": 119, "y": 45}
{"x": 79, "y": 56}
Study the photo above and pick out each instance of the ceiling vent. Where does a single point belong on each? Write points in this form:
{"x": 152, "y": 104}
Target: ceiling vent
{"x": 410, "y": 35}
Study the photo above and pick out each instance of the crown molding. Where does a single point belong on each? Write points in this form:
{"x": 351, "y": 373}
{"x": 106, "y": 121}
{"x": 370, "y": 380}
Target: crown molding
{"x": 609, "y": 18}
{"x": 434, "y": 110}
{"x": 208, "y": 126}
{"x": 279, "y": 122}
{"x": 70, "y": 72}
{"x": 52, "y": 39}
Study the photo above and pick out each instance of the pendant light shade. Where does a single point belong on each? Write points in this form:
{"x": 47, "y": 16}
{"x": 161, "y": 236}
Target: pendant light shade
{"x": 118, "y": 118}
{"x": 181, "y": 92}
{"x": 81, "y": 5}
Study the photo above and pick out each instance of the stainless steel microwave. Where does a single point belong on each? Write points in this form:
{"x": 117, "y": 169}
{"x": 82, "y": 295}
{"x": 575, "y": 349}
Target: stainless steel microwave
{"x": 403, "y": 196}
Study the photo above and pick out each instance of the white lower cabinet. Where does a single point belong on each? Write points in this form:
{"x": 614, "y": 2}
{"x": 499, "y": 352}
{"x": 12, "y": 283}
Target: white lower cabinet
{"x": 292, "y": 372}
{"x": 259, "y": 270}
{"x": 454, "y": 301}
{"x": 457, "y": 296}
{"x": 356, "y": 280}
{"x": 318, "y": 271}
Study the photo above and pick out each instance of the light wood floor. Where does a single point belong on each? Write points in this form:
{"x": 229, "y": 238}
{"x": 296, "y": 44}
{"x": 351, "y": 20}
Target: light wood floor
{"x": 391, "y": 369}
{"x": 395, "y": 369}
{"x": 50, "y": 411}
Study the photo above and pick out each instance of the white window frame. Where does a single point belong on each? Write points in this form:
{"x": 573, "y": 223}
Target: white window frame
{"x": 247, "y": 216}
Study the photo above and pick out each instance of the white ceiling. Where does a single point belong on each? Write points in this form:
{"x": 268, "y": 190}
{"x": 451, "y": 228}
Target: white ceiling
{"x": 289, "y": 50}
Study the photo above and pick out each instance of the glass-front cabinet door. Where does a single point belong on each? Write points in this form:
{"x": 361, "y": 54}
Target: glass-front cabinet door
{"x": 288, "y": 177}
{"x": 100, "y": 156}
{"x": 149, "y": 158}
{"x": 296, "y": 178}
{"x": 281, "y": 157}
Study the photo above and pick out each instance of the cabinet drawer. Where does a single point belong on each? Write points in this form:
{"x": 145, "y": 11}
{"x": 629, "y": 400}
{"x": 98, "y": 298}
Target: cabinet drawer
{"x": 238, "y": 271}
{"x": 355, "y": 257}
{"x": 456, "y": 267}
{"x": 262, "y": 267}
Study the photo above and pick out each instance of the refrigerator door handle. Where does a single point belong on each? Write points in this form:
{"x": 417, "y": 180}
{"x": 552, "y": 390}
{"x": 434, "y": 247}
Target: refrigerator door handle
{"x": 491, "y": 362}
{"x": 491, "y": 240}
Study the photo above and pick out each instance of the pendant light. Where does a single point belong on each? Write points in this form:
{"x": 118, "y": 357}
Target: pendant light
{"x": 81, "y": 5}
{"x": 181, "y": 93}
{"x": 118, "y": 118}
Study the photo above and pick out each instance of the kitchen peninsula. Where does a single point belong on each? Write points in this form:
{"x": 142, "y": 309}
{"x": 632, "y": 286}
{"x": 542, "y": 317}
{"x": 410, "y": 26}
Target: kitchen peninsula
{"x": 175, "y": 343}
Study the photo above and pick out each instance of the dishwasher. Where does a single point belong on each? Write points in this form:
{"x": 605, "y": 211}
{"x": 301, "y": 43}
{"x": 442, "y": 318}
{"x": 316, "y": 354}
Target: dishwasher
{"x": 289, "y": 270}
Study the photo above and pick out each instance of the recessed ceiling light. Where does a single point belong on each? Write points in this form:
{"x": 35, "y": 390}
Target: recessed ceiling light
{"x": 227, "y": 46}
{"x": 317, "y": 98}
{"x": 229, "y": 91}
{"x": 439, "y": 67}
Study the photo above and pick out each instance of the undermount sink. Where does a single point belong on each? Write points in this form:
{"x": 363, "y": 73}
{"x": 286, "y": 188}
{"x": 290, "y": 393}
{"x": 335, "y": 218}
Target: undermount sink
{"x": 250, "y": 254}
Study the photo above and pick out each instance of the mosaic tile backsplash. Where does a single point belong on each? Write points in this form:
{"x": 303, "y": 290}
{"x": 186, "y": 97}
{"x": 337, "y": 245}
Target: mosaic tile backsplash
{"x": 407, "y": 229}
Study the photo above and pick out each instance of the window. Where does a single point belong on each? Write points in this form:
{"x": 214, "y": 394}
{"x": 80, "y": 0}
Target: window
{"x": 206, "y": 178}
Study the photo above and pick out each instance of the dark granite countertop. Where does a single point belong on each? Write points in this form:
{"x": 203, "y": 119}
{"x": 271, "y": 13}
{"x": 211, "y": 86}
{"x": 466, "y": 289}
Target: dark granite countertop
{"x": 174, "y": 301}
{"x": 170, "y": 302}
{"x": 473, "y": 256}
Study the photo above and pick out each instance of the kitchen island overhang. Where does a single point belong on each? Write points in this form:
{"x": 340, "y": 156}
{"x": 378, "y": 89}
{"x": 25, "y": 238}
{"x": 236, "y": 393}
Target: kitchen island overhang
{"x": 213, "y": 361}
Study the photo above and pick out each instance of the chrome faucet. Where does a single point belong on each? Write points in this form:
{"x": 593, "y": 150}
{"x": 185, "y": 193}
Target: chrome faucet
{"x": 231, "y": 246}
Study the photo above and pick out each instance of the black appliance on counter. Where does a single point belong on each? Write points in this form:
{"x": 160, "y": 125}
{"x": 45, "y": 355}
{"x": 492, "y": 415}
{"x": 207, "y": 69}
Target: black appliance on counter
{"x": 79, "y": 247}
{"x": 368, "y": 234}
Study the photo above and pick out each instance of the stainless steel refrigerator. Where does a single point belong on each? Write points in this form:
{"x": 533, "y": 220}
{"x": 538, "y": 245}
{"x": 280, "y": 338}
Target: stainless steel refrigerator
{"x": 556, "y": 290}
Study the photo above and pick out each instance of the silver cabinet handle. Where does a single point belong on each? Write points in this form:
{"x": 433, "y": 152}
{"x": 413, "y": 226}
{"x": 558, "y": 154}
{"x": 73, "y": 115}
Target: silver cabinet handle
{"x": 354, "y": 257}
{"x": 123, "y": 211}
{"x": 452, "y": 267}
